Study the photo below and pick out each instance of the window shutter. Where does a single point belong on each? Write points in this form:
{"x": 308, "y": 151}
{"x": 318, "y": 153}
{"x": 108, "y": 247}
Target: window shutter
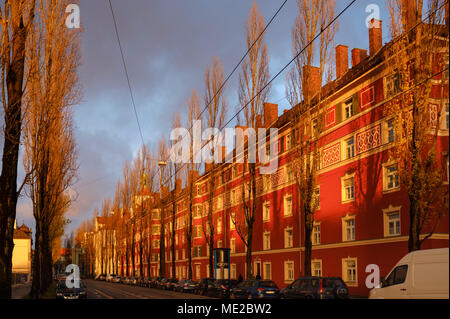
{"x": 339, "y": 112}
{"x": 355, "y": 104}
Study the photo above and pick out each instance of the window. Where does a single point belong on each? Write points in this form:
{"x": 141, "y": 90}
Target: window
{"x": 266, "y": 182}
{"x": 233, "y": 245}
{"x": 198, "y": 231}
{"x": 233, "y": 271}
{"x": 288, "y": 237}
{"x": 266, "y": 240}
{"x": 219, "y": 225}
{"x": 391, "y": 177}
{"x": 316, "y": 233}
{"x": 234, "y": 172}
{"x": 267, "y": 271}
{"x": 390, "y": 130}
{"x": 288, "y": 205}
{"x": 282, "y": 145}
{"x": 348, "y": 188}
{"x": 350, "y": 147}
{"x": 197, "y": 251}
{"x": 289, "y": 271}
{"x": 233, "y": 196}
{"x": 156, "y": 229}
{"x": 197, "y": 271}
{"x": 232, "y": 221}
{"x": 220, "y": 203}
{"x": 348, "y": 228}
{"x": 397, "y": 276}
{"x": 266, "y": 212}
{"x": 349, "y": 271}
{"x": 199, "y": 190}
{"x": 348, "y": 109}
{"x": 288, "y": 141}
{"x": 183, "y": 254}
{"x": 219, "y": 244}
{"x": 391, "y": 221}
{"x": 289, "y": 173}
{"x": 315, "y": 126}
{"x": 198, "y": 211}
{"x": 316, "y": 268}
{"x": 391, "y": 84}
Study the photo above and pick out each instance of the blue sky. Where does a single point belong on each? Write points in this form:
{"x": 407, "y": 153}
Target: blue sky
{"x": 167, "y": 46}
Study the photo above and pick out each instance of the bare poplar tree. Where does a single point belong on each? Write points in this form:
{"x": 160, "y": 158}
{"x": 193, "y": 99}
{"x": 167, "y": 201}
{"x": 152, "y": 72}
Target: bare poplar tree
{"x": 307, "y": 112}
{"x": 252, "y": 94}
{"x": 50, "y": 155}
{"x": 215, "y": 118}
{"x": 191, "y": 169}
{"x": 16, "y": 18}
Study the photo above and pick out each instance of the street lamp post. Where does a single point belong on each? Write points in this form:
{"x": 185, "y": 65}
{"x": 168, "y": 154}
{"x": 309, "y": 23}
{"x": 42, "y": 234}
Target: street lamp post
{"x": 162, "y": 257}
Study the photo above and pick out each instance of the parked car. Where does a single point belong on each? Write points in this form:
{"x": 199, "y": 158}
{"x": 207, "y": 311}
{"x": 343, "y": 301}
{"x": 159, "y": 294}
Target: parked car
{"x": 133, "y": 281}
{"x": 124, "y": 280}
{"x": 161, "y": 283}
{"x": 63, "y": 292}
{"x": 154, "y": 282}
{"x": 249, "y": 289}
{"x": 117, "y": 279}
{"x": 419, "y": 274}
{"x": 110, "y": 277}
{"x": 102, "y": 277}
{"x": 170, "y": 283}
{"x": 203, "y": 286}
{"x": 186, "y": 285}
{"x": 222, "y": 288}
{"x": 316, "y": 288}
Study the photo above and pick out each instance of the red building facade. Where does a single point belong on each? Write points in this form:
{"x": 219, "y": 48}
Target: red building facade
{"x": 363, "y": 214}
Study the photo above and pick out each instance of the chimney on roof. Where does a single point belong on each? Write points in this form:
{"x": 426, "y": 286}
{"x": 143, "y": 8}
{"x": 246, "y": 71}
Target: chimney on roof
{"x": 357, "y": 56}
{"x": 270, "y": 113}
{"x": 375, "y": 36}
{"x": 410, "y": 15}
{"x": 341, "y": 60}
{"x": 312, "y": 82}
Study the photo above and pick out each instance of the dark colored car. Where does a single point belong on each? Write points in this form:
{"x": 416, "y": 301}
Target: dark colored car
{"x": 222, "y": 288}
{"x": 161, "y": 283}
{"x": 171, "y": 283}
{"x": 142, "y": 281}
{"x": 186, "y": 285}
{"x": 250, "y": 289}
{"x": 63, "y": 292}
{"x": 316, "y": 288}
{"x": 154, "y": 282}
{"x": 203, "y": 286}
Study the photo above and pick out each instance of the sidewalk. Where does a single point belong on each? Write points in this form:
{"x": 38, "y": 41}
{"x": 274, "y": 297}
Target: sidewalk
{"x": 18, "y": 291}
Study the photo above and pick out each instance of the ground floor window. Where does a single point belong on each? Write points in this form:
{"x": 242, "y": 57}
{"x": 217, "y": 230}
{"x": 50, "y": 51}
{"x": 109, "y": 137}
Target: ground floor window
{"x": 268, "y": 271}
{"x": 349, "y": 271}
{"x": 316, "y": 268}
{"x": 288, "y": 271}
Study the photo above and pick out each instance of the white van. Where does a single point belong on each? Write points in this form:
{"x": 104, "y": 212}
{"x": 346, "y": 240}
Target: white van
{"x": 420, "y": 274}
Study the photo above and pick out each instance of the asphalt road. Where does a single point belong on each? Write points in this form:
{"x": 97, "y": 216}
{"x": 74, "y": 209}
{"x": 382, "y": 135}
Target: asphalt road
{"x": 108, "y": 290}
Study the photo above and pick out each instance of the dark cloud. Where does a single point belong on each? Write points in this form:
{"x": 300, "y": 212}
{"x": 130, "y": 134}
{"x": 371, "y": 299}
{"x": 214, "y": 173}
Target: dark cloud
{"x": 167, "y": 45}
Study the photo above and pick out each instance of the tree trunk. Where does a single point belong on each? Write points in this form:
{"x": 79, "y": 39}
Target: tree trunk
{"x": 8, "y": 177}
{"x": 308, "y": 242}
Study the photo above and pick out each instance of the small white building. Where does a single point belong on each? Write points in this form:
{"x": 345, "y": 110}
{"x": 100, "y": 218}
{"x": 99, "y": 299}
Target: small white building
{"x": 21, "y": 258}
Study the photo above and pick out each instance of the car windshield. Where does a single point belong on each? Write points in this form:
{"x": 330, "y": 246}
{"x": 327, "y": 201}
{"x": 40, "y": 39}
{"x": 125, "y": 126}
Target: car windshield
{"x": 62, "y": 285}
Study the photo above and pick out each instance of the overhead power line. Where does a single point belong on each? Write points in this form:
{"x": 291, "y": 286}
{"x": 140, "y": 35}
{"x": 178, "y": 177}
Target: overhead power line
{"x": 276, "y": 75}
{"x": 126, "y": 72}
